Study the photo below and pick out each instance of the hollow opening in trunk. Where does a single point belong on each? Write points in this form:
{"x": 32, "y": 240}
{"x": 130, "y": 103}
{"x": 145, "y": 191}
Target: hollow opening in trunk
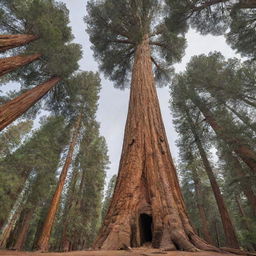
{"x": 145, "y": 229}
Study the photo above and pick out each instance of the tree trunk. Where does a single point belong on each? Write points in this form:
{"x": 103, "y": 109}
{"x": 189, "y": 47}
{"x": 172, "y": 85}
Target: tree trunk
{"x": 11, "y": 63}
{"x": 241, "y": 149}
{"x": 24, "y": 230}
{"x": 201, "y": 210}
{"x": 241, "y": 212}
{"x": 231, "y": 239}
{"x": 147, "y": 205}
{"x": 64, "y": 244}
{"x": 11, "y": 41}
{"x": 14, "y": 215}
{"x": 217, "y": 233}
{"x": 13, "y": 109}
{"x": 44, "y": 238}
{"x": 246, "y": 188}
{"x": 242, "y": 118}
{"x": 244, "y": 221}
{"x": 250, "y": 103}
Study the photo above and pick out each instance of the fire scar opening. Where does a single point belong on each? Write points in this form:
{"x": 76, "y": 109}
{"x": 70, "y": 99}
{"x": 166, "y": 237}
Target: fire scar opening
{"x": 145, "y": 228}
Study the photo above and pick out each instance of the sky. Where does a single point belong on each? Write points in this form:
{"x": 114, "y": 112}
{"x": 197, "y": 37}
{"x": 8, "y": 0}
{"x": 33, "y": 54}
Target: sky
{"x": 113, "y": 103}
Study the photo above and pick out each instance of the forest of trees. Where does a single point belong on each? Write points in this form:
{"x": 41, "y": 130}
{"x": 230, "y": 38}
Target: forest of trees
{"x": 54, "y": 161}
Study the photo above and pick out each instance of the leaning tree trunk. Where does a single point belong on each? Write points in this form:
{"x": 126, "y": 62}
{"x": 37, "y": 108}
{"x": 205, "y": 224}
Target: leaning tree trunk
{"x": 147, "y": 204}
{"x": 240, "y": 173}
{"x": 24, "y": 230}
{"x": 13, "y": 215}
{"x": 13, "y": 109}
{"x": 200, "y": 206}
{"x": 11, "y": 41}
{"x": 242, "y": 118}
{"x": 11, "y": 63}
{"x": 230, "y": 235}
{"x": 238, "y": 146}
{"x": 44, "y": 238}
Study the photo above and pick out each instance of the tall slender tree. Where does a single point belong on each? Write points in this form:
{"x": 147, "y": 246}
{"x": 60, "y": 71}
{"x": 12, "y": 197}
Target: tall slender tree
{"x": 82, "y": 105}
{"x": 181, "y": 106}
{"x": 126, "y": 37}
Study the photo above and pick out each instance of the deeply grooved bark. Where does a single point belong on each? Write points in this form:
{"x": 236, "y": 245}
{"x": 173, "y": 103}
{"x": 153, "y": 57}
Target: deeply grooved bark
{"x": 11, "y": 63}
{"x": 13, "y": 109}
{"x": 11, "y": 41}
{"x": 147, "y": 182}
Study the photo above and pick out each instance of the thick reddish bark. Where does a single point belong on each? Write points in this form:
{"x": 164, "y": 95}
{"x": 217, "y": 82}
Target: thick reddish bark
{"x": 231, "y": 239}
{"x": 147, "y": 184}
{"x": 44, "y": 238}
{"x": 11, "y": 41}
{"x": 11, "y": 63}
{"x": 24, "y": 230}
{"x": 239, "y": 147}
{"x": 13, "y": 109}
{"x": 200, "y": 206}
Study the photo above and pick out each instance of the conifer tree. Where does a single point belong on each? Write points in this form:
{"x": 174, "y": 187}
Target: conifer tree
{"x": 81, "y": 107}
{"x": 234, "y": 19}
{"x": 29, "y": 164}
{"x": 48, "y": 20}
{"x": 127, "y": 37}
{"x": 240, "y": 143}
{"x": 182, "y": 109}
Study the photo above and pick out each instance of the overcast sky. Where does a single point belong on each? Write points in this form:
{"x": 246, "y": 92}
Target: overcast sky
{"x": 113, "y": 102}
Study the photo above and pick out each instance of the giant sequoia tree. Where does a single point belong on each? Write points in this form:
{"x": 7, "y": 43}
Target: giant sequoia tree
{"x": 147, "y": 205}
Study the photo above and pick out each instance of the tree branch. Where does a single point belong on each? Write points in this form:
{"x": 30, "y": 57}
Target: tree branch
{"x": 122, "y": 41}
{"x": 154, "y": 61}
{"x": 208, "y": 4}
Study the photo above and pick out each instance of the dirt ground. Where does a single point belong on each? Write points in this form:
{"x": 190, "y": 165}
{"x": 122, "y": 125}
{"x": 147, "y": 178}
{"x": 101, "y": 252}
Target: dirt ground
{"x": 134, "y": 252}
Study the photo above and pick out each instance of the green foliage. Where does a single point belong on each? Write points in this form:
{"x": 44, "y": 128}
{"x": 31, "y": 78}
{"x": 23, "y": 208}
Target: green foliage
{"x": 49, "y": 20}
{"x": 11, "y": 138}
{"x": 83, "y": 204}
{"x": 242, "y": 33}
{"x": 31, "y": 156}
{"x": 225, "y": 88}
{"x": 108, "y": 196}
{"x": 116, "y": 28}
{"x": 235, "y": 19}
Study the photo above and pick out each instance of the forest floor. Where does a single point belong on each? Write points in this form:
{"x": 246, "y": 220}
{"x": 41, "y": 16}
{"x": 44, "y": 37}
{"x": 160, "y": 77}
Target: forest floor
{"x": 134, "y": 252}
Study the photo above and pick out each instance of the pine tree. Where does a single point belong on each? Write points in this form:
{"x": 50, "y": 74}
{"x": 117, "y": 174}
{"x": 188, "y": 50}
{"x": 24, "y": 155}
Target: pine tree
{"x": 27, "y": 168}
{"x": 126, "y": 37}
{"x": 234, "y": 19}
{"x": 181, "y": 107}
{"x": 81, "y": 107}
{"x": 239, "y": 142}
{"x": 47, "y": 20}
